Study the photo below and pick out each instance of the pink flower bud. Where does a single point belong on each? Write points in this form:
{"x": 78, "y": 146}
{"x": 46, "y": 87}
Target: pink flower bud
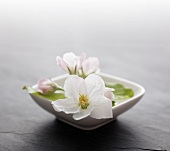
{"x": 46, "y": 86}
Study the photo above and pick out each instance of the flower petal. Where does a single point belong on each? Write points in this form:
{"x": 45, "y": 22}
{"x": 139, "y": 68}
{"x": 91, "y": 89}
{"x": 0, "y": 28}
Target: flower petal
{"x": 103, "y": 109}
{"x": 109, "y": 93}
{"x": 72, "y": 85}
{"x": 95, "y": 85}
{"x": 66, "y": 105}
{"x": 79, "y": 62}
{"x": 90, "y": 65}
{"x": 62, "y": 64}
{"x": 71, "y": 60}
{"x": 82, "y": 88}
{"x": 82, "y": 58}
{"x": 83, "y": 113}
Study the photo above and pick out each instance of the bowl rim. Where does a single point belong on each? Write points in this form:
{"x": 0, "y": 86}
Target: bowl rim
{"x": 140, "y": 94}
{"x": 141, "y": 88}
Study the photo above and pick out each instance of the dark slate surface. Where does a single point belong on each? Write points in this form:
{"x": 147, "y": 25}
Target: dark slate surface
{"x": 133, "y": 44}
{"x": 25, "y": 126}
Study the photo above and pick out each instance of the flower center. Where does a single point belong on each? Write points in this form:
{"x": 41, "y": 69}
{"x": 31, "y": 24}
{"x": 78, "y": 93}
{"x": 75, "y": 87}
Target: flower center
{"x": 83, "y": 101}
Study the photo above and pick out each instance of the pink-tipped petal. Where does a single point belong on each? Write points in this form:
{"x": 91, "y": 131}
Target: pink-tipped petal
{"x": 109, "y": 93}
{"x": 61, "y": 63}
{"x": 45, "y": 86}
{"x": 90, "y": 65}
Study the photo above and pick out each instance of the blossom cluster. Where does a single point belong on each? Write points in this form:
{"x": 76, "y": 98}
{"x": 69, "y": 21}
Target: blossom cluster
{"x": 78, "y": 65}
{"x": 84, "y": 90}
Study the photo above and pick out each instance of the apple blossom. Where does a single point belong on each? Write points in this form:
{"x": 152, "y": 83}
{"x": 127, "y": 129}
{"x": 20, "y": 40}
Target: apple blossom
{"x": 90, "y": 65}
{"x": 70, "y": 62}
{"x": 46, "y": 86}
{"x": 85, "y": 97}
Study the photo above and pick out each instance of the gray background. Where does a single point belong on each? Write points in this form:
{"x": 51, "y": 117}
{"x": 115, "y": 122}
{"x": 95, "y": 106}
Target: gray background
{"x": 131, "y": 39}
{"x": 110, "y": 30}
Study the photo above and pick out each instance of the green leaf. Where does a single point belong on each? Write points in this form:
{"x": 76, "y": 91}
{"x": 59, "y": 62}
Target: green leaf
{"x": 50, "y": 96}
{"x": 113, "y": 103}
{"x": 120, "y": 92}
{"x": 24, "y": 88}
{"x": 29, "y": 89}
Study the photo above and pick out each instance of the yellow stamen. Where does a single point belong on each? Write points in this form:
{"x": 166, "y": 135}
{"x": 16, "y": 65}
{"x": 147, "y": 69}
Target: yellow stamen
{"x": 83, "y": 101}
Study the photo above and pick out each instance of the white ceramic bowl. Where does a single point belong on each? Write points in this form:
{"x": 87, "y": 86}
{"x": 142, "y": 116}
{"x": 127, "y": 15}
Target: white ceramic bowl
{"x": 90, "y": 123}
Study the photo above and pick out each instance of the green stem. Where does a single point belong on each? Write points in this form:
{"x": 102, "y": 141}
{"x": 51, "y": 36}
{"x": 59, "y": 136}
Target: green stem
{"x": 60, "y": 89}
{"x": 82, "y": 74}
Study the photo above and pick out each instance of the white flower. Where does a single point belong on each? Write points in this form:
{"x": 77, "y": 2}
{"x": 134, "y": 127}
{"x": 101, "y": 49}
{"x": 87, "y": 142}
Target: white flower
{"x": 90, "y": 65}
{"x": 70, "y": 62}
{"x": 85, "y": 97}
{"x": 46, "y": 86}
